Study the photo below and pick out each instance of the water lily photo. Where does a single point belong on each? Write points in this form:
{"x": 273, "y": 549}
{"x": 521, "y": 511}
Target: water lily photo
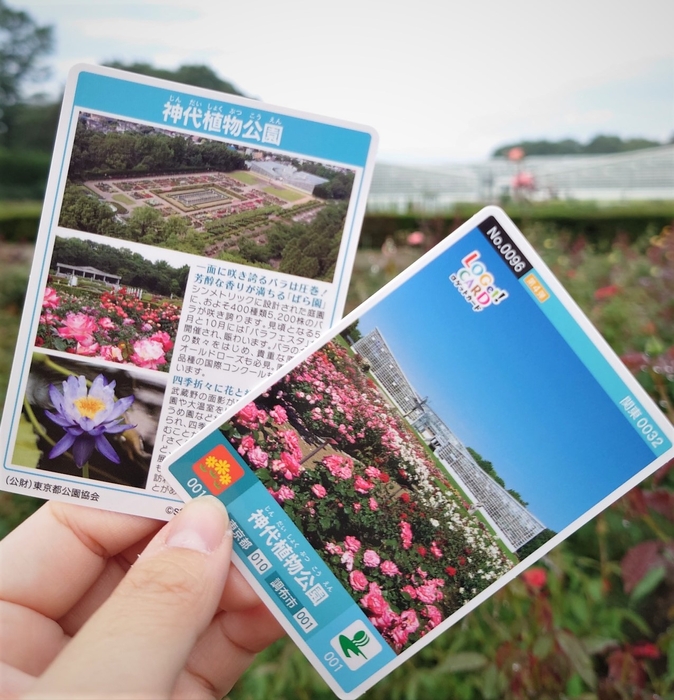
{"x": 87, "y": 415}
{"x": 88, "y": 421}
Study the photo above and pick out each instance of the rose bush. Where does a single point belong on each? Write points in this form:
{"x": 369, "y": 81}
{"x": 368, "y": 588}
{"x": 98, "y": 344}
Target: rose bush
{"x": 117, "y": 327}
{"x": 409, "y": 570}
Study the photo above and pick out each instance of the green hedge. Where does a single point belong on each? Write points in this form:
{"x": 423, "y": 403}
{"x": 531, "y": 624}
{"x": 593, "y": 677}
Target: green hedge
{"x": 23, "y": 174}
{"x": 599, "y": 224}
{"x": 19, "y": 220}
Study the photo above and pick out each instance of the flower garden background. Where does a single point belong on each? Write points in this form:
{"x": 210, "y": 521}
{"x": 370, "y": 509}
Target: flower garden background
{"x": 362, "y": 487}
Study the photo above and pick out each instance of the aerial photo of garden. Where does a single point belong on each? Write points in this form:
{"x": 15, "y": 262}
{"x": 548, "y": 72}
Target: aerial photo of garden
{"x": 205, "y": 197}
{"x": 367, "y": 494}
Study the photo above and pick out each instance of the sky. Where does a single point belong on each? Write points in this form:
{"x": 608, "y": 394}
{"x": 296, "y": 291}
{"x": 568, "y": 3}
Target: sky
{"x": 507, "y": 385}
{"x": 441, "y": 82}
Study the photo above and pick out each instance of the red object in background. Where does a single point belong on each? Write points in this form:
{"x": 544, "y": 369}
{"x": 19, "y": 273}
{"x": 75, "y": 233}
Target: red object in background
{"x": 516, "y": 153}
{"x": 535, "y": 578}
{"x": 524, "y": 181}
{"x": 416, "y": 238}
{"x": 606, "y": 292}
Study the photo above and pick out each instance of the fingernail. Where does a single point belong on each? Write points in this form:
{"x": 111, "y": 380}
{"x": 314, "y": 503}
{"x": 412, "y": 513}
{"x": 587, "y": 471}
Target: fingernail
{"x": 200, "y": 525}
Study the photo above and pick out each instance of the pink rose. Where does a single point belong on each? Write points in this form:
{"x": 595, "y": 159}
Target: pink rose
{"x": 411, "y": 591}
{"x": 434, "y": 616}
{"x": 128, "y": 322}
{"x": 375, "y": 603}
{"x": 278, "y": 415}
{"x": 358, "y": 580}
{"x": 351, "y": 543}
{"x": 319, "y": 490}
{"x": 426, "y": 593}
{"x": 51, "y": 299}
{"x": 283, "y": 494}
{"x": 389, "y": 568}
{"x": 148, "y": 354}
{"x": 79, "y": 327}
{"x": 372, "y": 503}
{"x": 385, "y": 620}
{"x": 89, "y": 348}
{"x": 111, "y": 353}
{"x": 291, "y": 441}
{"x": 106, "y": 323}
{"x": 247, "y": 416}
{"x": 371, "y": 558}
{"x": 332, "y": 548}
{"x": 247, "y": 444}
{"x": 163, "y": 338}
{"x": 290, "y": 466}
{"x": 338, "y": 466}
{"x": 258, "y": 457}
{"x": 405, "y": 534}
{"x": 372, "y": 472}
{"x": 399, "y": 636}
{"x": 347, "y": 560}
{"x": 361, "y": 485}
{"x": 409, "y": 620}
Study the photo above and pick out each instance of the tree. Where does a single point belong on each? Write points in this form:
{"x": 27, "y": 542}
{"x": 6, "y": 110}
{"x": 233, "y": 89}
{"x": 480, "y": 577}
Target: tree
{"x": 84, "y": 212}
{"x": 532, "y": 545}
{"x": 599, "y": 144}
{"x": 488, "y": 467}
{"x": 198, "y": 75}
{"x": 352, "y": 333}
{"x": 22, "y": 44}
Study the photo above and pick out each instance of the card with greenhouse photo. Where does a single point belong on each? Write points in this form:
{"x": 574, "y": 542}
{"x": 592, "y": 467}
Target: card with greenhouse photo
{"x": 202, "y": 236}
{"x": 437, "y": 441}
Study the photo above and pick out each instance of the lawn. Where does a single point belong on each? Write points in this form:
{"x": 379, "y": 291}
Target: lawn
{"x": 244, "y": 176}
{"x": 122, "y": 198}
{"x": 288, "y": 195}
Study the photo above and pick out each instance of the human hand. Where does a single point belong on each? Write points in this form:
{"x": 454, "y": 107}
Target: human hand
{"x": 95, "y": 604}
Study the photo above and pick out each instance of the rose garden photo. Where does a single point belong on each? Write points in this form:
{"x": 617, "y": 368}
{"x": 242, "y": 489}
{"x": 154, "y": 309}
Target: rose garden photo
{"x": 367, "y": 494}
{"x": 111, "y": 304}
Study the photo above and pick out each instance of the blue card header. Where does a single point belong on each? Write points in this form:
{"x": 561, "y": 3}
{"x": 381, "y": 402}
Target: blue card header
{"x": 242, "y": 121}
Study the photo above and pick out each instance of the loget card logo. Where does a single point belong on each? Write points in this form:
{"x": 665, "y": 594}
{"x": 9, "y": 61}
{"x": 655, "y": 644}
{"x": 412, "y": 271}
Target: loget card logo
{"x": 218, "y": 470}
{"x": 476, "y": 283}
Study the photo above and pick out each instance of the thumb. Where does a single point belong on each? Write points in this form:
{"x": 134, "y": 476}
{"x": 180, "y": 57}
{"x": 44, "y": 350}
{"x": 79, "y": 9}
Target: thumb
{"x": 138, "y": 641}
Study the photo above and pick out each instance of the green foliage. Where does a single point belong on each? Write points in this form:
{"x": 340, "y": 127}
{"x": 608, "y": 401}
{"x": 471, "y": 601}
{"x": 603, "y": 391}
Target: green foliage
{"x": 13, "y": 283}
{"x": 532, "y": 545}
{"x": 31, "y": 126}
{"x": 110, "y": 153}
{"x": 23, "y": 43}
{"x": 488, "y": 467}
{"x": 198, "y": 75}
{"x": 136, "y": 271}
{"x": 599, "y": 144}
{"x": 23, "y": 174}
{"x": 598, "y": 224}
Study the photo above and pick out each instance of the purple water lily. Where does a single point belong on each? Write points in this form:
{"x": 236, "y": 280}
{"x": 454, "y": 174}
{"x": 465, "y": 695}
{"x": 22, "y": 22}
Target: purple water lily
{"x": 87, "y": 416}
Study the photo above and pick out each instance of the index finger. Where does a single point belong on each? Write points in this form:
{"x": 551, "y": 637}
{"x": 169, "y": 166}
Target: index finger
{"x": 55, "y": 556}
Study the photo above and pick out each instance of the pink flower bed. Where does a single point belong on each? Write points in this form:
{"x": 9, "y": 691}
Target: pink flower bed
{"x": 408, "y": 570}
{"x": 114, "y": 327}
